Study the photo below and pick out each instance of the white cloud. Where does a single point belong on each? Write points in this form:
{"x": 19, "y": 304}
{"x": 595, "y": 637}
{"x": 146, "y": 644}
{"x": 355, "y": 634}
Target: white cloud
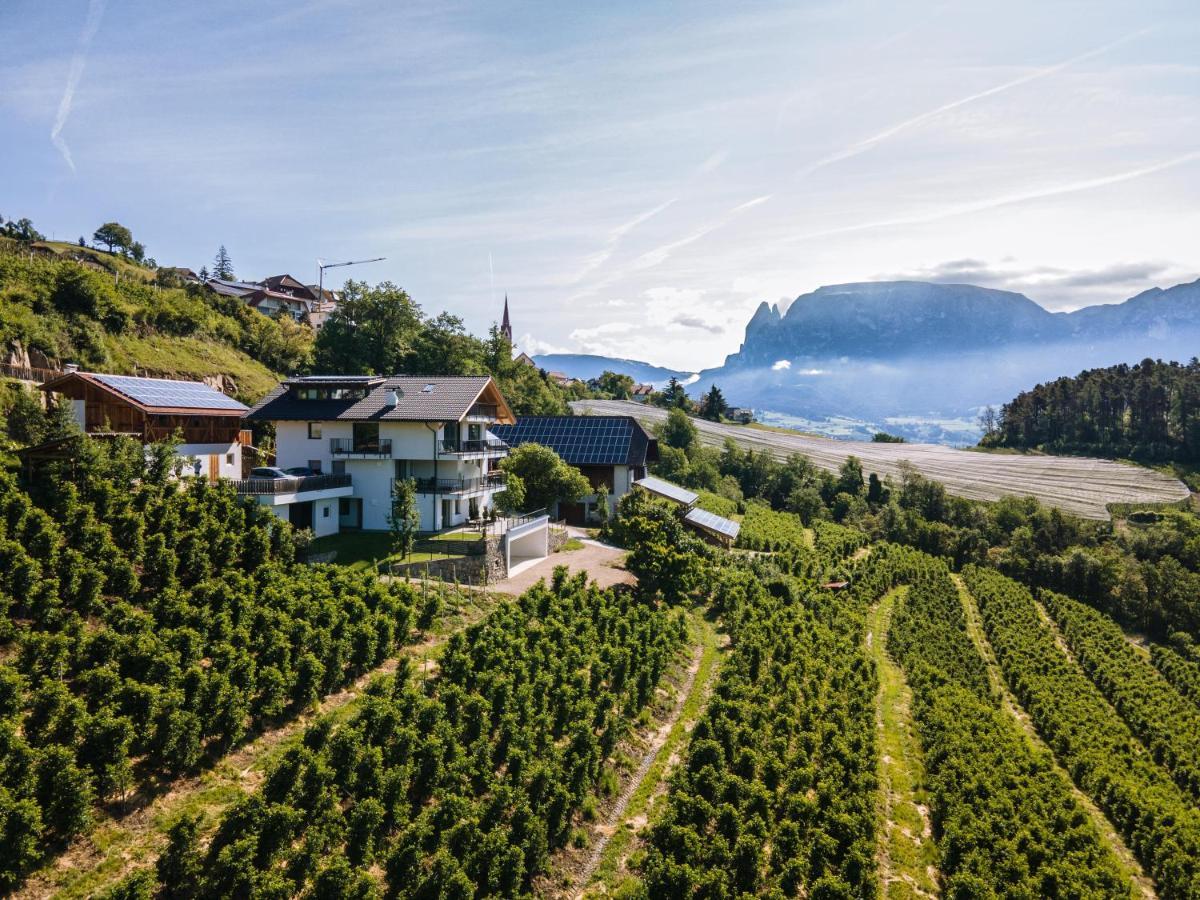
{"x": 781, "y": 366}
{"x": 535, "y": 346}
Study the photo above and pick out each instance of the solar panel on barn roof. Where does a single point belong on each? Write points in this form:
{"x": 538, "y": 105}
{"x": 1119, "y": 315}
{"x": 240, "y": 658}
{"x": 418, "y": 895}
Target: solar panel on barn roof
{"x": 162, "y": 392}
{"x": 711, "y": 521}
{"x": 668, "y": 490}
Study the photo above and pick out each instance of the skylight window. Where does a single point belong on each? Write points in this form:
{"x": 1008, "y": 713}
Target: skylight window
{"x": 428, "y": 389}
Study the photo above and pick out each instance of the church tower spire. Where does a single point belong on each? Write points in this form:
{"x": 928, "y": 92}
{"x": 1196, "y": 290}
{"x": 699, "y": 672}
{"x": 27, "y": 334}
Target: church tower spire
{"x": 505, "y": 324}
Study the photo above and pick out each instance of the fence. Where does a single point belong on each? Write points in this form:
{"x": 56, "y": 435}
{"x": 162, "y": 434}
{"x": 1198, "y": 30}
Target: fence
{"x": 351, "y": 447}
{"x": 270, "y": 486}
{"x": 29, "y": 373}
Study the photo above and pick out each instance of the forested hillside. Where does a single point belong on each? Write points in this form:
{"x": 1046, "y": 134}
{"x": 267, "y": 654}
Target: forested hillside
{"x": 122, "y": 321}
{"x": 108, "y": 314}
{"x": 1149, "y": 411}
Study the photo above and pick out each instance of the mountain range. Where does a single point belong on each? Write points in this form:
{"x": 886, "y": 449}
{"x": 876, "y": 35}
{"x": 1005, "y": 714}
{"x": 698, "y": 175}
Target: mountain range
{"x": 585, "y": 366}
{"x": 922, "y": 359}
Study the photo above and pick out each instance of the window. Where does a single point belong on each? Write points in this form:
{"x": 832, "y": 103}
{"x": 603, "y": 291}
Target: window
{"x": 229, "y": 459}
{"x": 457, "y": 507}
{"x": 400, "y": 470}
{"x": 366, "y": 437}
{"x": 325, "y": 511}
{"x": 343, "y": 507}
{"x": 339, "y": 467}
{"x": 314, "y": 465}
{"x": 428, "y": 389}
{"x": 314, "y": 431}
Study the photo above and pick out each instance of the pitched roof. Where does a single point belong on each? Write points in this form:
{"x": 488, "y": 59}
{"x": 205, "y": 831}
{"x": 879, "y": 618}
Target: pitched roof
{"x": 156, "y": 395}
{"x": 585, "y": 440}
{"x": 232, "y": 288}
{"x": 286, "y": 283}
{"x": 419, "y": 399}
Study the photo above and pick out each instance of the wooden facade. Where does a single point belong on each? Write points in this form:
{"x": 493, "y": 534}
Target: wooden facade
{"x": 107, "y": 411}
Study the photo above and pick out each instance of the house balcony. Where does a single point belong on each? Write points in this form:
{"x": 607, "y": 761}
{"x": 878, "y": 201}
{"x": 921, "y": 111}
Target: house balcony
{"x": 460, "y": 487}
{"x": 483, "y": 412}
{"x": 278, "y": 491}
{"x": 352, "y": 449}
{"x": 487, "y": 447}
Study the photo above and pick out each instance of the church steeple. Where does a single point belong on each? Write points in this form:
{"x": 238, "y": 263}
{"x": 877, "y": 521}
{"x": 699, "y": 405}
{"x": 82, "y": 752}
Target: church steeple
{"x": 505, "y": 324}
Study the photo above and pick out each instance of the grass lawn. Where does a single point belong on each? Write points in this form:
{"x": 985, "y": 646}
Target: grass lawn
{"x": 360, "y": 550}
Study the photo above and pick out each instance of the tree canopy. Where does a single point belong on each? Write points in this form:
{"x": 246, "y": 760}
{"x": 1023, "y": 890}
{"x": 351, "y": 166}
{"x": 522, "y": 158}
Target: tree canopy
{"x": 544, "y": 477}
{"x": 113, "y": 235}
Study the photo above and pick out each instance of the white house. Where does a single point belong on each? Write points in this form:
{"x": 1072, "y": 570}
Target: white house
{"x": 206, "y": 422}
{"x": 360, "y": 433}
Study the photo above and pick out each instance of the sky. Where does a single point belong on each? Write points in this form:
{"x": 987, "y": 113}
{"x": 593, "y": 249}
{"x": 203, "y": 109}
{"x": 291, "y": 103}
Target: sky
{"x": 636, "y": 176}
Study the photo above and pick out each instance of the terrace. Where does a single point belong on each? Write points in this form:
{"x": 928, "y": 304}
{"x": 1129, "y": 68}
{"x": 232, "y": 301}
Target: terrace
{"x": 363, "y": 449}
{"x": 460, "y": 485}
{"x": 257, "y": 487}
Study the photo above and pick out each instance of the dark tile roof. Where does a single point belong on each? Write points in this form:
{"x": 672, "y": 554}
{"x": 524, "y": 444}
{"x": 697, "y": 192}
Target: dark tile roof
{"x": 448, "y": 400}
{"x": 585, "y": 440}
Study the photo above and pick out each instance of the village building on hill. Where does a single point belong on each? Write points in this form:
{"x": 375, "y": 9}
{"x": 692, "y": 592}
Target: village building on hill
{"x": 281, "y": 295}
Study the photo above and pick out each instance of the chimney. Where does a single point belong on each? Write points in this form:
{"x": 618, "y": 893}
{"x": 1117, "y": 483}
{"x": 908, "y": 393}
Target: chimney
{"x": 71, "y": 367}
{"x": 391, "y": 399}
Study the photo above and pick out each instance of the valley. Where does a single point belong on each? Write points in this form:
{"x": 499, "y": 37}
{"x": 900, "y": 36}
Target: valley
{"x": 1081, "y": 486}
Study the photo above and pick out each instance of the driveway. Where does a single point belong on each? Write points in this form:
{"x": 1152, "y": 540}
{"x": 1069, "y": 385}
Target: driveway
{"x": 598, "y": 560}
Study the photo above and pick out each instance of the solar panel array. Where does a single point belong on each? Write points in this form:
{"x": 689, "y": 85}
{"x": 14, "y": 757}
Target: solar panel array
{"x": 579, "y": 440}
{"x": 161, "y": 392}
{"x": 668, "y": 490}
{"x": 712, "y": 522}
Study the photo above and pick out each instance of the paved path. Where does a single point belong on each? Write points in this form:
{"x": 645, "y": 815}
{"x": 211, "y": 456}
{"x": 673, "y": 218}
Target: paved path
{"x": 1074, "y": 484}
{"x": 599, "y": 560}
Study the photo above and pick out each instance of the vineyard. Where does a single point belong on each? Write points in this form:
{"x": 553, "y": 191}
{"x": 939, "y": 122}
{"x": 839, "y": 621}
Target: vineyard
{"x": 825, "y": 711}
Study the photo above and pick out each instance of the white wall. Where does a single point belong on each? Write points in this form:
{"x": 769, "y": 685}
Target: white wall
{"x": 325, "y": 517}
{"x": 204, "y": 452}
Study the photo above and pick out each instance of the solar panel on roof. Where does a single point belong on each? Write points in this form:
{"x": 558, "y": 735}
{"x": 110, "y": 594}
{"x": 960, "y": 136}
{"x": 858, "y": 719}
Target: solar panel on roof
{"x": 668, "y": 490}
{"x": 579, "y": 440}
{"x": 161, "y": 392}
{"x": 711, "y": 521}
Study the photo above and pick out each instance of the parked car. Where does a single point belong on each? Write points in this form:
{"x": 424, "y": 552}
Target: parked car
{"x": 300, "y": 472}
{"x": 271, "y": 472}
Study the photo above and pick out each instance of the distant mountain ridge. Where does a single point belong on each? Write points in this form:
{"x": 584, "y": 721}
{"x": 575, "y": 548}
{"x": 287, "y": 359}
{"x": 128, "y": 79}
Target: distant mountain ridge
{"x": 921, "y": 359}
{"x": 897, "y": 318}
{"x": 586, "y": 365}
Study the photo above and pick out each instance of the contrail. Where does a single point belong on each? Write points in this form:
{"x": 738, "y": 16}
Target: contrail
{"x": 90, "y": 25}
{"x": 615, "y": 236}
{"x": 867, "y": 143}
{"x": 1006, "y": 199}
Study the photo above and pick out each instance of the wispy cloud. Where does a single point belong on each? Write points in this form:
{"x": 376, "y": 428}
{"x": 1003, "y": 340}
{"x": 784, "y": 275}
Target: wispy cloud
{"x": 1045, "y": 71}
{"x": 78, "y": 61}
{"x": 1072, "y": 187}
{"x": 696, "y": 322}
{"x": 615, "y": 236}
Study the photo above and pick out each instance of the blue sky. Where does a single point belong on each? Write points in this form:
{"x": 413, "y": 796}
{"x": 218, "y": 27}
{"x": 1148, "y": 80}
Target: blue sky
{"x": 636, "y": 176}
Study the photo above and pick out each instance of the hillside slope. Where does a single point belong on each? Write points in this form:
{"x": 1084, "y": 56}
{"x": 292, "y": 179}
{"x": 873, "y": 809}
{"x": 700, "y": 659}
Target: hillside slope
{"x": 60, "y": 305}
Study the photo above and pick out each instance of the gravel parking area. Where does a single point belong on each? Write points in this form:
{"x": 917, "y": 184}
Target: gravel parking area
{"x": 598, "y": 560}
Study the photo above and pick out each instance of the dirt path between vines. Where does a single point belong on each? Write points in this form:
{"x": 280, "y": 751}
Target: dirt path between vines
{"x": 1143, "y": 883}
{"x": 117, "y": 846}
{"x": 906, "y": 855}
{"x": 658, "y": 757}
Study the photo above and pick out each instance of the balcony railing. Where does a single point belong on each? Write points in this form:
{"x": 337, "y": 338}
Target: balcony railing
{"x": 459, "y": 485}
{"x": 351, "y": 447}
{"x": 271, "y": 486}
{"x": 486, "y": 445}
{"x": 483, "y": 411}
